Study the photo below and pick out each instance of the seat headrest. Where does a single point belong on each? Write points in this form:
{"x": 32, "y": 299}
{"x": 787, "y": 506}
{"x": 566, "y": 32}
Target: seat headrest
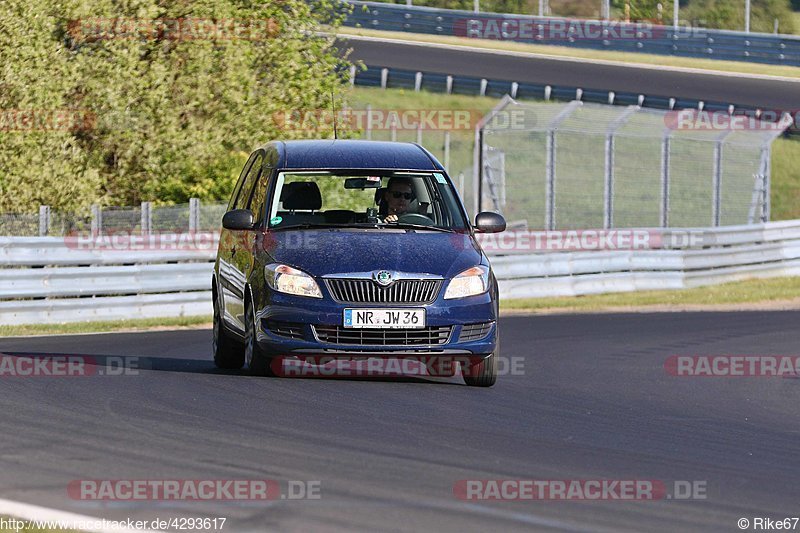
{"x": 379, "y": 195}
{"x": 303, "y": 195}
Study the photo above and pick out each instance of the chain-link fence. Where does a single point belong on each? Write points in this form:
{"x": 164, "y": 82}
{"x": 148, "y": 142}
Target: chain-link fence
{"x": 142, "y": 219}
{"x": 580, "y": 165}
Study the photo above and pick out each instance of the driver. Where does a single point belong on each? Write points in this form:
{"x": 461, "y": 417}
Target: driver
{"x": 397, "y": 198}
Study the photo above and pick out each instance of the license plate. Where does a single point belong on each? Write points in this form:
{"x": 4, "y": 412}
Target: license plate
{"x": 384, "y": 318}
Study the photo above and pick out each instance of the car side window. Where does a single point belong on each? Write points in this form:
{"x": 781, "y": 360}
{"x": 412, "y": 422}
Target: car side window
{"x": 259, "y": 198}
{"x": 238, "y": 188}
{"x": 243, "y": 199}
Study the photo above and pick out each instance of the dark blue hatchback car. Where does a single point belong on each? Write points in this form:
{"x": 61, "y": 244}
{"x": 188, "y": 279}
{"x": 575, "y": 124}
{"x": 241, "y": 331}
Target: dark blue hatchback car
{"x": 353, "y": 249}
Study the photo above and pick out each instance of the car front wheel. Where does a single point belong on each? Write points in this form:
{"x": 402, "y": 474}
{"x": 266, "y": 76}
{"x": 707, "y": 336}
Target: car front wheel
{"x": 258, "y": 362}
{"x": 228, "y": 354}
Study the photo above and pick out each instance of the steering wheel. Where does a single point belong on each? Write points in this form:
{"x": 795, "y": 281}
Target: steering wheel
{"x": 415, "y": 218}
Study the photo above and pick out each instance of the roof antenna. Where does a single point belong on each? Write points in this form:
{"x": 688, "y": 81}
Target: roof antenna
{"x": 333, "y": 104}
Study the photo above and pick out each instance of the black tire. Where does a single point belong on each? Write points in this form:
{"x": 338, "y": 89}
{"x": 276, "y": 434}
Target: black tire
{"x": 481, "y": 374}
{"x": 258, "y": 362}
{"x": 228, "y": 354}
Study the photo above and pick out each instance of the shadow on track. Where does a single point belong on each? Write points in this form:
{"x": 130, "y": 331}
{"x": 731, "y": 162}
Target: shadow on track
{"x": 58, "y": 364}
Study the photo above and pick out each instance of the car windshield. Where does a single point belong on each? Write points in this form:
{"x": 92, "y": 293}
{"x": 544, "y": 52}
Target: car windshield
{"x": 377, "y": 199}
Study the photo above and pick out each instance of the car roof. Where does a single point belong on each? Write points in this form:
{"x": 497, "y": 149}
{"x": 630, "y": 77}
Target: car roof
{"x": 355, "y": 154}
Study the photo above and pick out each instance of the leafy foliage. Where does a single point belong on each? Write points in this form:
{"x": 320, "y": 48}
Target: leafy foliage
{"x": 174, "y": 114}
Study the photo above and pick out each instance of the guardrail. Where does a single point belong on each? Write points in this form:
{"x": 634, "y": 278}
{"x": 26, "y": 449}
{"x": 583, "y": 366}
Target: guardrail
{"x": 47, "y": 280}
{"x": 599, "y": 35}
{"x": 56, "y": 279}
{"x": 386, "y": 78}
{"x": 665, "y": 259}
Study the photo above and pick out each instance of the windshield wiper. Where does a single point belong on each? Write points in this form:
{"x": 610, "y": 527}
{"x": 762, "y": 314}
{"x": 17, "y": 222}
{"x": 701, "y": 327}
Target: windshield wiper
{"x": 408, "y": 225}
{"x": 310, "y": 225}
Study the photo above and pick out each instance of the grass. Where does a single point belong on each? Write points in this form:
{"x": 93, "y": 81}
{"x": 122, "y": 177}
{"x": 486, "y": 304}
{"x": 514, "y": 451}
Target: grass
{"x": 740, "y": 292}
{"x": 104, "y": 326}
{"x": 796, "y": 16}
{"x": 785, "y": 195}
{"x": 568, "y": 52}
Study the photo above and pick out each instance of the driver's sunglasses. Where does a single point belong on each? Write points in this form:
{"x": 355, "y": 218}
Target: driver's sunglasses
{"x": 406, "y": 195}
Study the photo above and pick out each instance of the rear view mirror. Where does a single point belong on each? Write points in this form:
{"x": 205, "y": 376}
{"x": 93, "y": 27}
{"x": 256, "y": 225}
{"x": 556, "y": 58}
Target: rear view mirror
{"x": 489, "y": 222}
{"x": 238, "y": 219}
{"x": 362, "y": 183}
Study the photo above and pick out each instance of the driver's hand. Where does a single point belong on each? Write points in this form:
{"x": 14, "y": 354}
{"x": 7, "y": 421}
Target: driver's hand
{"x": 391, "y": 218}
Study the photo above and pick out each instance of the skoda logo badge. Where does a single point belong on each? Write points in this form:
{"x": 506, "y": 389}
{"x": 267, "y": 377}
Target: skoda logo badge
{"x": 383, "y": 277}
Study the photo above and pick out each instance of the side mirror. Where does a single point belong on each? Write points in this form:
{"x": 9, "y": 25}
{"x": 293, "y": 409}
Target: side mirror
{"x": 238, "y": 219}
{"x": 489, "y": 222}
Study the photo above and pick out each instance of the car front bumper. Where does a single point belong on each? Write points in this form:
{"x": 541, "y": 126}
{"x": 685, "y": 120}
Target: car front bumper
{"x": 291, "y": 326}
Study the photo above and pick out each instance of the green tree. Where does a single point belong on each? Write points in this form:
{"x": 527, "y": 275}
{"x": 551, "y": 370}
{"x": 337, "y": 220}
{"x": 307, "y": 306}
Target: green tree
{"x": 175, "y": 110}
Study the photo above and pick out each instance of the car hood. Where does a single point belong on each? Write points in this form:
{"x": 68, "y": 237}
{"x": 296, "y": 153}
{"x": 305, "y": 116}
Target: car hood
{"x": 338, "y": 251}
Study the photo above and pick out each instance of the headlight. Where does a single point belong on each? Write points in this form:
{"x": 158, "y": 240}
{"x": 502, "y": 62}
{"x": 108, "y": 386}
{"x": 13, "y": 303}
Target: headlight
{"x": 286, "y": 279}
{"x": 472, "y": 281}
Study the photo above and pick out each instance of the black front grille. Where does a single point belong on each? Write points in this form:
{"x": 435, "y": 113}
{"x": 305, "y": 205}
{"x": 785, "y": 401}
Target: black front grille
{"x": 293, "y": 330}
{"x": 473, "y": 332}
{"x": 383, "y": 337}
{"x": 367, "y": 291}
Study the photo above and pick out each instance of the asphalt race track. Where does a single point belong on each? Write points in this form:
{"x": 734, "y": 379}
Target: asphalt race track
{"x": 770, "y": 93}
{"x": 592, "y": 401}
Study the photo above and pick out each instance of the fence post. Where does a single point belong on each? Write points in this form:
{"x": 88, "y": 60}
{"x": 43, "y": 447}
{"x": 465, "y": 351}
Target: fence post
{"x": 608, "y": 188}
{"x": 384, "y": 77}
{"x": 418, "y": 81}
{"x": 665, "y": 162}
{"x": 717, "y": 191}
{"x": 44, "y": 220}
{"x": 194, "y": 214}
{"x": 147, "y": 218}
{"x": 369, "y": 122}
{"x": 765, "y": 214}
{"x": 477, "y": 151}
{"x": 419, "y": 133}
{"x": 550, "y": 182}
{"x": 97, "y": 220}
{"x": 447, "y": 152}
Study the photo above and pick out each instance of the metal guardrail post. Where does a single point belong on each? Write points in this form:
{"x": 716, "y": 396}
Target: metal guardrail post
{"x": 194, "y": 214}
{"x": 384, "y": 77}
{"x": 44, "y": 220}
{"x": 369, "y": 122}
{"x": 417, "y": 81}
